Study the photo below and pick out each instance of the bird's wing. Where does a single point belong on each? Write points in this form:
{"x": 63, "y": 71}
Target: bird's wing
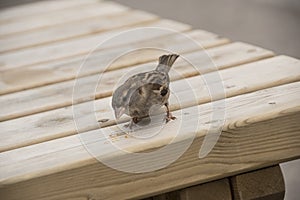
{"x": 152, "y": 77}
{"x": 143, "y": 81}
{"x": 139, "y": 84}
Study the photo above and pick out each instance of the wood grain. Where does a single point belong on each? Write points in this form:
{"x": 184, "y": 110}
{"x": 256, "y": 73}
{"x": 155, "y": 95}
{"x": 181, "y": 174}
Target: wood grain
{"x": 247, "y": 141}
{"x": 42, "y": 156}
{"x": 44, "y": 74}
{"x": 76, "y": 29}
{"x": 60, "y": 123}
{"x": 82, "y": 46}
{"x": 59, "y": 17}
{"x": 59, "y": 95}
{"x": 270, "y": 103}
{"x": 34, "y": 9}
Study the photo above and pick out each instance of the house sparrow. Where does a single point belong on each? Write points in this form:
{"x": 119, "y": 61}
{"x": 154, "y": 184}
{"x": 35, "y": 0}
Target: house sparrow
{"x": 140, "y": 92}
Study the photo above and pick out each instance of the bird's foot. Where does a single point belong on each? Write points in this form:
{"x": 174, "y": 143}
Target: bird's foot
{"x": 131, "y": 123}
{"x": 169, "y": 114}
{"x": 170, "y": 117}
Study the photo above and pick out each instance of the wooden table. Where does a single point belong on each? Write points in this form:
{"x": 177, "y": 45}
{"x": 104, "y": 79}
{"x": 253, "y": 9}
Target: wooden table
{"x": 42, "y": 46}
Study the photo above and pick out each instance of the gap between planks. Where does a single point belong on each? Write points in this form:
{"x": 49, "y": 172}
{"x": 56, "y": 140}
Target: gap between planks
{"x": 60, "y": 122}
{"x": 34, "y": 23}
{"x": 46, "y": 74}
{"x": 265, "y": 104}
{"x": 77, "y": 29}
{"x": 245, "y": 144}
{"x": 60, "y": 95}
{"x": 33, "y": 9}
{"x": 82, "y": 46}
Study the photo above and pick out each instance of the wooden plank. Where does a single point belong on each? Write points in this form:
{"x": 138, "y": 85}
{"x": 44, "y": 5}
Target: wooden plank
{"x": 35, "y": 76}
{"x": 60, "y": 123}
{"x": 264, "y": 184}
{"x": 82, "y": 46}
{"x": 59, "y": 17}
{"x": 26, "y": 10}
{"x": 73, "y": 30}
{"x": 59, "y": 95}
{"x": 247, "y": 139}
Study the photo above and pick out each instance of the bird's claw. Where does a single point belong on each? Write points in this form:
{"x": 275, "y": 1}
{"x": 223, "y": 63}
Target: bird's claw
{"x": 169, "y": 118}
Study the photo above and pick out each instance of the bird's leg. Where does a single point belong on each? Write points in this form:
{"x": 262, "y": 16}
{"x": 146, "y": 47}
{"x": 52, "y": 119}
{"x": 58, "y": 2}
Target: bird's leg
{"x": 169, "y": 114}
{"x": 134, "y": 120}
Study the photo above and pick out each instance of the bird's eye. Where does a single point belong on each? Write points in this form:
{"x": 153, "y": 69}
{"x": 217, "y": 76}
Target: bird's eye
{"x": 140, "y": 91}
{"x": 164, "y": 91}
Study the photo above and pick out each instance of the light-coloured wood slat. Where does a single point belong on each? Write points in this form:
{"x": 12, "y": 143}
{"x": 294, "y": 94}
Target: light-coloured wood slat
{"x": 39, "y": 8}
{"x": 204, "y": 38}
{"x": 82, "y": 46}
{"x": 60, "y": 123}
{"x": 269, "y": 122}
{"x": 60, "y": 17}
{"x": 59, "y": 95}
{"x": 75, "y": 29}
{"x": 34, "y": 76}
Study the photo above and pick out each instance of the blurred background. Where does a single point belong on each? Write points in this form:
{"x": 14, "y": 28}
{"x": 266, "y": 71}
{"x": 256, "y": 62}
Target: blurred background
{"x": 272, "y": 24}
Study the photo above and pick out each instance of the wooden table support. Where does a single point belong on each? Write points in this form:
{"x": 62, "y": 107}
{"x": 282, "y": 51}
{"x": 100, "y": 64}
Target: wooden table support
{"x": 215, "y": 190}
{"x": 263, "y": 184}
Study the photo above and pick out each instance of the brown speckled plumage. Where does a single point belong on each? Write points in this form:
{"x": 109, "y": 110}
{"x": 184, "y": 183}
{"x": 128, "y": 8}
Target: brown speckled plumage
{"x": 142, "y": 91}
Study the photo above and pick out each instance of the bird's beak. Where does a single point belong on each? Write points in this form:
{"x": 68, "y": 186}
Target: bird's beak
{"x": 119, "y": 112}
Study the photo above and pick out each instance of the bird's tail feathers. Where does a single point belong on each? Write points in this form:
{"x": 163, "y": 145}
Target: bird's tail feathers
{"x": 166, "y": 61}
